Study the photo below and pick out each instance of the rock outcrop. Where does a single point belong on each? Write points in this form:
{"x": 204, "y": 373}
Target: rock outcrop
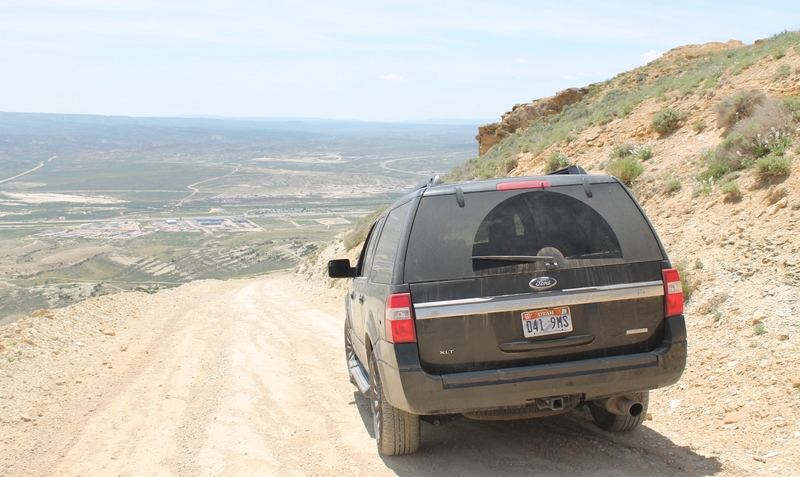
{"x": 522, "y": 114}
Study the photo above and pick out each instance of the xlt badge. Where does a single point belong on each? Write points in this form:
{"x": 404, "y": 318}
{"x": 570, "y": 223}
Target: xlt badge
{"x": 542, "y": 283}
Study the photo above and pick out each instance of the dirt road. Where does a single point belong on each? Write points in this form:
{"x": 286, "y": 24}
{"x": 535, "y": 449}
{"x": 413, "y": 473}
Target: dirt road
{"x": 248, "y": 378}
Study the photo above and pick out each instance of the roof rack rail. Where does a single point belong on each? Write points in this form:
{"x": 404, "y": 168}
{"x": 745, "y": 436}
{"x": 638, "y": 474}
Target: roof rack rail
{"x": 429, "y": 182}
{"x": 573, "y": 169}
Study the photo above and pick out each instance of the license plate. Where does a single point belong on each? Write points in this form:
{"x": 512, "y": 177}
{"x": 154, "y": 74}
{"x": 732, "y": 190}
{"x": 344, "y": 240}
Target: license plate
{"x": 546, "y": 322}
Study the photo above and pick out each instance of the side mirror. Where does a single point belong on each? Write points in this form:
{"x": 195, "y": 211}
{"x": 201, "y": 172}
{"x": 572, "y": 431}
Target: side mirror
{"x": 341, "y": 269}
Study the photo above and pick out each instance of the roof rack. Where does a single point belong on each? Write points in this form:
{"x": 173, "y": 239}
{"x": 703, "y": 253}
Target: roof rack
{"x": 573, "y": 169}
{"x": 430, "y": 182}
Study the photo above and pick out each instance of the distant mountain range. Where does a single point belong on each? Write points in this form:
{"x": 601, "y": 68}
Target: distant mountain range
{"x": 37, "y": 134}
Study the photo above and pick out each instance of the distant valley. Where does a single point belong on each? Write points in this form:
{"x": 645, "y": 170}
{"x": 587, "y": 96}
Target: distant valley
{"x": 91, "y": 205}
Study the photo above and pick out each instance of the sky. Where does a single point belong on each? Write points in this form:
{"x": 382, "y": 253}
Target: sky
{"x": 364, "y": 60}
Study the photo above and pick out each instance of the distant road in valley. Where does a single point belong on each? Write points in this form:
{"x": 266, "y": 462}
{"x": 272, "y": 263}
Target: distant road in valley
{"x": 41, "y": 164}
{"x": 196, "y": 190}
{"x": 385, "y": 165}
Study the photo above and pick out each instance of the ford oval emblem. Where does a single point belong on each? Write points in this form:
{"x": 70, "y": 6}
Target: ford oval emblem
{"x": 543, "y": 283}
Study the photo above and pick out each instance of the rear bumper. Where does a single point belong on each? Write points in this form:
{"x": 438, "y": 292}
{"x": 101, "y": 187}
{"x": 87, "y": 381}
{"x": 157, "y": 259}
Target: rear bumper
{"x": 409, "y": 388}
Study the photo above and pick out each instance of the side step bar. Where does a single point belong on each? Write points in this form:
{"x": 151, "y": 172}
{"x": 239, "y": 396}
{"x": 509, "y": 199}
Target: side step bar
{"x": 358, "y": 374}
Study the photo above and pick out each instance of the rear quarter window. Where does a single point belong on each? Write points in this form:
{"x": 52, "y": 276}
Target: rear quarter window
{"x": 386, "y": 252}
{"x": 607, "y": 228}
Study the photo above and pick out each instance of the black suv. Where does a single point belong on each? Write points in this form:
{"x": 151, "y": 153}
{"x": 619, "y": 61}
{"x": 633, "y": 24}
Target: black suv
{"x": 509, "y": 299}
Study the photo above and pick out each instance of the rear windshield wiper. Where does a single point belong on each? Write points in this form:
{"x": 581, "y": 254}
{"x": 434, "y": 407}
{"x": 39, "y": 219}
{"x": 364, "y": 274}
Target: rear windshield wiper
{"x": 517, "y": 258}
{"x": 607, "y": 254}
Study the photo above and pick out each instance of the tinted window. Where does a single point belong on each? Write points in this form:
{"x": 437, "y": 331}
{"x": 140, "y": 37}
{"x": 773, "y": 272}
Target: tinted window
{"x": 527, "y": 223}
{"x": 605, "y": 229}
{"x": 386, "y": 252}
{"x": 368, "y": 251}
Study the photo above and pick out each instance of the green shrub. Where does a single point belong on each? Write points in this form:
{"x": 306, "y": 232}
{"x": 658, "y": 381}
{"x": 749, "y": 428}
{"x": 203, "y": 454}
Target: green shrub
{"x": 770, "y": 130}
{"x": 759, "y": 329}
{"x": 672, "y": 186}
{"x": 780, "y": 53}
{"x": 783, "y": 71}
{"x": 620, "y": 151}
{"x": 731, "y": 191}
{"x": 687, "y": 286}
{"x": 667, "y": 120}
{"x": 698, "y": 265}
{"x": 711, "y": 81}
{"x": 715, "y": 168}
{"x": 626, "y": 169}
{"x": 792, "y": 107}
{"x": 689, "y": 87}
{"x": 555, "y": 162}
{"x": 642, "y": 152}
{"x": 773, "y": 166}
{"x": 703, "y": 187}
{"x": 743, "y": 64}
{"x": 506, "y": 165}
{"x": 716, "y": 313}
{"x": 699, "y": 126}
{"x": 625, "y": 110}
{"x": 733, "y": 109}
{"x": 731, "y": 176}
{"x": 639, "y": 151}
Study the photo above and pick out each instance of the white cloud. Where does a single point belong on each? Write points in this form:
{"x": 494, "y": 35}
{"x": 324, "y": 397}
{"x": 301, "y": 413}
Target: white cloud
{"x": 393, "y": 77}
{"x": 650, "y": 56}
{"x": 522, "y": 61}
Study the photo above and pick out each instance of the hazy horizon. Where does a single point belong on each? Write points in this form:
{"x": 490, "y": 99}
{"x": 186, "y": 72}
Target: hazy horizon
{"x": 387, "y": 61}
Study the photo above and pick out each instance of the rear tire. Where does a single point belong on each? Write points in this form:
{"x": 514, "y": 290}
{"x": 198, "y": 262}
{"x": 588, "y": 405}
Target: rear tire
{"x": 617, "y": 423}
{"x": 396, "y": 431}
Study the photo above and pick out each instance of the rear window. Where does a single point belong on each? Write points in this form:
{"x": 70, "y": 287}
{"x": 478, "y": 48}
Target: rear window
{"x": 563, "y": 222}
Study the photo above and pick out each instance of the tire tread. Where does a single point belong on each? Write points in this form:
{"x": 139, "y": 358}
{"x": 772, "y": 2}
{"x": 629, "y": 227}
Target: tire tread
{"x": 399, "y": 434}
{"x": 616, "y": 423}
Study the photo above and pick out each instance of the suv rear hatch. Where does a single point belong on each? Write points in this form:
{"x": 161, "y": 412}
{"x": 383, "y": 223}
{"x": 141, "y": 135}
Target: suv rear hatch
{"x": 521, "y": 273}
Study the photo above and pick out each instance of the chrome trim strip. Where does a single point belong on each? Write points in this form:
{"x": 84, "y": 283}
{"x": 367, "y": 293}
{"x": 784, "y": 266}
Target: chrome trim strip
{"x": 531, "y": 301}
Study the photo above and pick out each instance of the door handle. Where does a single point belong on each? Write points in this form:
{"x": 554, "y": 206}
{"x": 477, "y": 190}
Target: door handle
{"x": 361, "y": 298}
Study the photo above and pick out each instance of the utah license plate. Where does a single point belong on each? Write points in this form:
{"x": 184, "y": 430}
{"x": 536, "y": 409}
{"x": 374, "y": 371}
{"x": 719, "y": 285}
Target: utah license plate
{"x": 546, "y": 322}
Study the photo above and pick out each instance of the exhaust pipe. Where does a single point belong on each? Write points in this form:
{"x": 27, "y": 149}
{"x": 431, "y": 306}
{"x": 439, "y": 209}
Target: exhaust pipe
{"x": 621, "y": 406}
{"x": 629, "y": 407}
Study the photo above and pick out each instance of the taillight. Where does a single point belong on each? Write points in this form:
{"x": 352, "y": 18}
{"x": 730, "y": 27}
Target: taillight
{"x": 400, "y": 319}
{"x": 673, "y": 293}
{"x": 516, "y": 185}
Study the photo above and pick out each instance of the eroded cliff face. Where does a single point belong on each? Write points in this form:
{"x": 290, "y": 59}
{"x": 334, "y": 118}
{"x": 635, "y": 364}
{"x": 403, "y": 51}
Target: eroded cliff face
{"x": 521, "y": 116}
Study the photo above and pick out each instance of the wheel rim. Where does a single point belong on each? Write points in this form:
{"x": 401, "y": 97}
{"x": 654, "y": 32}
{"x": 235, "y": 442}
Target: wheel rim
{"x": 348, "y": 346}
{"x": 375, "y": 392}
